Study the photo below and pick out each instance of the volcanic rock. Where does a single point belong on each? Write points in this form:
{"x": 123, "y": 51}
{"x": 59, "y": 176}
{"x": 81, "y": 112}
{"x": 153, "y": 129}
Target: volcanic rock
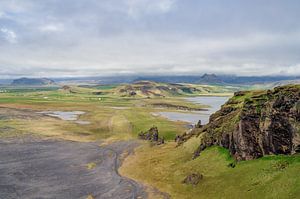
{"x": 193, "y": 179}
{"x": 152, "y": 135}
{"x": 256, "y": 123}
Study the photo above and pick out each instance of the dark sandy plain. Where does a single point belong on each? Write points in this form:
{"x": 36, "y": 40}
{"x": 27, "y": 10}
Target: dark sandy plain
{"x": 35, "y": 168}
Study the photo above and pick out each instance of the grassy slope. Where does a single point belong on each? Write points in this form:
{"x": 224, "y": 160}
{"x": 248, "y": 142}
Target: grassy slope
{"x": 148, "y": 88}
{"x": 164, "y": 167}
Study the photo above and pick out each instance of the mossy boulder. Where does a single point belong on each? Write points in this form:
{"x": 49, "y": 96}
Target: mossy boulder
{"x": 193, "y": 179}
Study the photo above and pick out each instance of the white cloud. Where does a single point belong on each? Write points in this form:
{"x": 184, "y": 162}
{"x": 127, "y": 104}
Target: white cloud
{"x": 52, "y": 28}
{"x": 2, "y": 15}
{"x": 9, "y": 35}
{"x": 141, "y": 7}
{"x": 164, "y": 6}
{"x": 291, "y": 70}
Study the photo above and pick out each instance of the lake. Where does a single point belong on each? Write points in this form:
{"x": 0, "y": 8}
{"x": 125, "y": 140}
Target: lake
{"x": 193, "y": 117}
{"x": 67, "y": 115}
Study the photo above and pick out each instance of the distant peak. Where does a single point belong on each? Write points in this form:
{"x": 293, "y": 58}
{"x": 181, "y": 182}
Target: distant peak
{"x": 210, "y": 78}
{"x": 209, "y": 75}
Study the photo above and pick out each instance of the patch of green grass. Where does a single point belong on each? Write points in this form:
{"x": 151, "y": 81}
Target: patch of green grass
{"x": 91, "y": 165}
{"x": 142, "y": 120}
{"x": 12, "y": 89}
{"x": 224, "y": 152}
{"x": 164, "y": 167}
{"x": 106, "y": 87}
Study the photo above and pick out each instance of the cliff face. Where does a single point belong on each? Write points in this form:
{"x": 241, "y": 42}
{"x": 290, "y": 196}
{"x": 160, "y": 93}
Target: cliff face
{"x": 253, "y": 124}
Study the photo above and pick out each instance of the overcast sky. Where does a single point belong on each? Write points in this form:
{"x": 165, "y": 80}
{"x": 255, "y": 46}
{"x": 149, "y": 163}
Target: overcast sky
{"x": 102, "y": 37}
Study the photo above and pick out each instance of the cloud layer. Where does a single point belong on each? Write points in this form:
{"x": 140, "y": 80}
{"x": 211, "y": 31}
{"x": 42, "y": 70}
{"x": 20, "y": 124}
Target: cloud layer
{"x": 168, "y": 37}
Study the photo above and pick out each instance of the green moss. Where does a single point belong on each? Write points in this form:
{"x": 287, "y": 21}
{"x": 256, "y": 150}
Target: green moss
{"x": 106, "y": 87}
{"x": 298, "y": 106}
{"x": 225, "y": 152}
{"x": 91, "y": 165}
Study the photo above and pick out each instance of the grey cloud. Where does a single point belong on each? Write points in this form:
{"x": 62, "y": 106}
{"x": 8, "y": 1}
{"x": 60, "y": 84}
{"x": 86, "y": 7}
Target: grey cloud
{"x": 74, "y": 37}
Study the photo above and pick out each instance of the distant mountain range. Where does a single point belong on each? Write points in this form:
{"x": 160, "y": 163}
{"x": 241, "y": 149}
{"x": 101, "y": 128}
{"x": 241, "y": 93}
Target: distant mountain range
{"x": 201, "y": 79}
{"x": 219, "y": 79}
{"x": 32, "y": 82}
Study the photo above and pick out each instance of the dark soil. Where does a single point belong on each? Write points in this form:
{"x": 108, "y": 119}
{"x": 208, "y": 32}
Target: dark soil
{"x": 36, "y": 168}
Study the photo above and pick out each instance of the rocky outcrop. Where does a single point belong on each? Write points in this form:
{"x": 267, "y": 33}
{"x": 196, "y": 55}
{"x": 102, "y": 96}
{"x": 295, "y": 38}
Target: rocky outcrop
{"x": 256, "y": 123}
{"x": 193, "y": 179}
{"x": 199, "y": 124}
{"x": 152, "y": 136}
{"x": 180, "y": 139}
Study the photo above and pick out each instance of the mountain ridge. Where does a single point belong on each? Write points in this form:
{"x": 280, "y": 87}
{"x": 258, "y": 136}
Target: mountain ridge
{"x": 32, "y": 82}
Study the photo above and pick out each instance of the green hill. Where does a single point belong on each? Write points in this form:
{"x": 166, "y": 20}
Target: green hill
{"x": 154, "y": 89}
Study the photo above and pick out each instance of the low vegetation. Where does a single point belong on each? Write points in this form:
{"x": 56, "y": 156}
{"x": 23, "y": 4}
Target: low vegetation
{"x": 219, "y": 172}
{"x": 114, "y": 116}
{"x": 153, "y": 89}
{"x": 110, "y": 116}
{"x": 165, "y": 167}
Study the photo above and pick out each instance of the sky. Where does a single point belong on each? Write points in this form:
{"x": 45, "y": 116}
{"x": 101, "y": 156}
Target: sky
{"x": 61, "y": 38}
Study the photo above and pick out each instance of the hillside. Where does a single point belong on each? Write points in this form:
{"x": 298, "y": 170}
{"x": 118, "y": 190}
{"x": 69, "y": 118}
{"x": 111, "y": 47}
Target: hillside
{"x": 251, "y": 124}
{"x": 154, "y": 89}
{"x": 255, "y": 123}
{"x": 32, "y": 82}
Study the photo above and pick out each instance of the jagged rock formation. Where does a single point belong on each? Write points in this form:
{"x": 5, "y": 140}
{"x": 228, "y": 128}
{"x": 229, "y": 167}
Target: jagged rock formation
{"x": 152, "y": 136}
{"x": 180, "y": 139}
{"x": 255, "y": 123}
{"x": 199, "y": 124}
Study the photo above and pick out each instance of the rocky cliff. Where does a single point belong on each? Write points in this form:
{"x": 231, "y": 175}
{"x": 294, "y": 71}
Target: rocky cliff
{"x": 255, "y": 123}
